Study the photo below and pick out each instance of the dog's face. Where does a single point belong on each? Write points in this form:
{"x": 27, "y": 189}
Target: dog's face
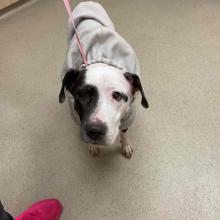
{"x": 102, "y": 95}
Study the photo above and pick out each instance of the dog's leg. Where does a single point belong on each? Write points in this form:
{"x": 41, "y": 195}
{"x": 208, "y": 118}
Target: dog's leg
{"x": 94, "y": 150}
{"x": 127, "y": 150}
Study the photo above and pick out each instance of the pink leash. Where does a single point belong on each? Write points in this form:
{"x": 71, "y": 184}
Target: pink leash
{"x": 68, "y": 8}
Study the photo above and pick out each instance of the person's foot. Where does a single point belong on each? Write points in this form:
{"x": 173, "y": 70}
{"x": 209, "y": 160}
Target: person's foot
{"x": 3, "y": 214}
{"x": 49, "y": 209}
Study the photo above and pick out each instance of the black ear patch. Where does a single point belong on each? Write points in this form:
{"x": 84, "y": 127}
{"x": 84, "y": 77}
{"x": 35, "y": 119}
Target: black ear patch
{"x": 68, "y": 81}
{"x": 136, "y": 83}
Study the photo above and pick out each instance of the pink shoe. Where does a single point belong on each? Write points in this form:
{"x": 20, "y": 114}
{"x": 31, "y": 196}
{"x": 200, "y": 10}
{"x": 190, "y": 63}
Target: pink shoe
{"x": 49, "y": 209}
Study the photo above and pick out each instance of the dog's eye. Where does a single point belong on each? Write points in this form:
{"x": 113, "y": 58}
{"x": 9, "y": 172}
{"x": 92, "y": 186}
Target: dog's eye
{"x": 117, "y": 96}
{"x": 89, "y": 91}
{"x": 85, "y": 92}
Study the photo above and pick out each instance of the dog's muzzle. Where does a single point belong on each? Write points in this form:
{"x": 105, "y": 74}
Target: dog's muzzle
{"x": 94, "y": 132}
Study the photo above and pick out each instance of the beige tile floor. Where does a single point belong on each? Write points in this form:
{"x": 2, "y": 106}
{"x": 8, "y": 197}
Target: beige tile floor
{"x": 175, "y": 169}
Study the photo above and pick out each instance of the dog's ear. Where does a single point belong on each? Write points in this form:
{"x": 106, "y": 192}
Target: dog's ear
{"x": 134, "y": 80}
{"x": 68, "y": 81}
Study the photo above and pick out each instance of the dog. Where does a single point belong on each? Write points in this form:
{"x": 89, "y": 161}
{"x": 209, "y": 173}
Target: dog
{"x": 101, "y": 95}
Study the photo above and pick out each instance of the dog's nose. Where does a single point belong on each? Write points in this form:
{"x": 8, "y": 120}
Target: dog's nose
{"x": 95, "y": 131}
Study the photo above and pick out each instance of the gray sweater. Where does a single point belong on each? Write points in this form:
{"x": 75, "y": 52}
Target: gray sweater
{"x": 101, "y": 43}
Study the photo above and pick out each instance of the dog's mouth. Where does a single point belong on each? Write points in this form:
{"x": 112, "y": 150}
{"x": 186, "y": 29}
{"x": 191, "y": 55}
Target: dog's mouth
{"x": 88, "y": 140}
{"x": 104, "y": 141}
{"x": 94, "y": 140}
{"x": 94, "y": 133}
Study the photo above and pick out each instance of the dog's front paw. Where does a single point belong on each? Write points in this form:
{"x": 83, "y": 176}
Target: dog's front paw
{"x": 127, "y": 151}
{"x": 94, "y": 150}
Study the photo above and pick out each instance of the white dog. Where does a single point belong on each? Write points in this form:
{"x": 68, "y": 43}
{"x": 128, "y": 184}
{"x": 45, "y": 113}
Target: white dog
{"x": 103, "y": 93}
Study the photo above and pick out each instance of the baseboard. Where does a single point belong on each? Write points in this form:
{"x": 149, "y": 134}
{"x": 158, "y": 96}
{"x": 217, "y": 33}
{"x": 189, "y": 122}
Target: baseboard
{"x": 14, "y": 7}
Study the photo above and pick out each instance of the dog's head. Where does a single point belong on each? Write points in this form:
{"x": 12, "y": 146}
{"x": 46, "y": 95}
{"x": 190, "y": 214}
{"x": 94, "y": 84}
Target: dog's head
{"x": 103, "y": 95}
